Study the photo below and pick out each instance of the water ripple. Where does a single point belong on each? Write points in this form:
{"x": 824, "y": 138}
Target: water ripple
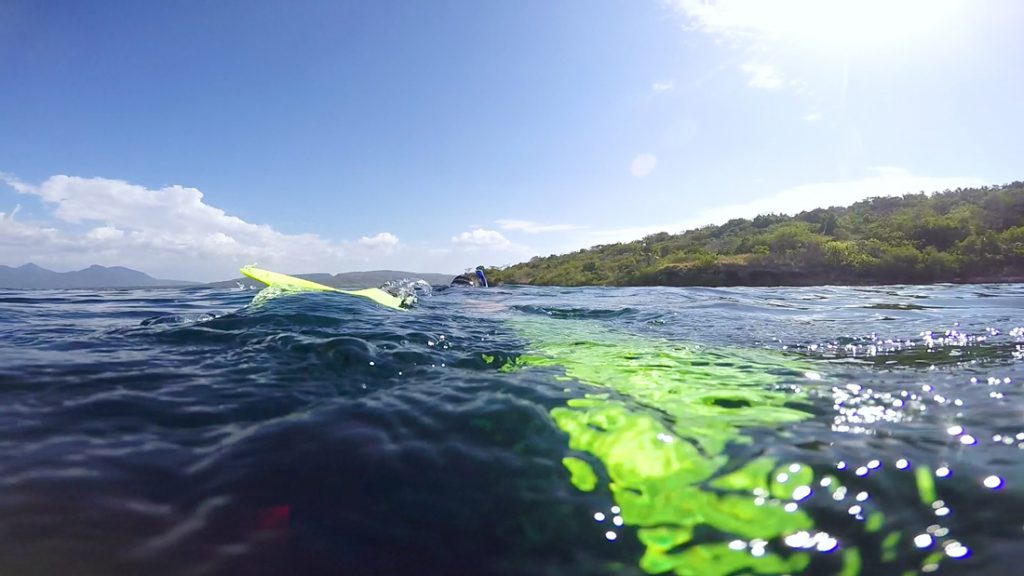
{"x": 514, "y": 430}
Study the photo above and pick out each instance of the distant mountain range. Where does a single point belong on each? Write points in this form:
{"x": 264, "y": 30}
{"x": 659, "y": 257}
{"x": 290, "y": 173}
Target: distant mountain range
{"x": 30, "y": 276}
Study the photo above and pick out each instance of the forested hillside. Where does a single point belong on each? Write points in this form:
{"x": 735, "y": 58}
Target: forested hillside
{"x": 963, "y": 235}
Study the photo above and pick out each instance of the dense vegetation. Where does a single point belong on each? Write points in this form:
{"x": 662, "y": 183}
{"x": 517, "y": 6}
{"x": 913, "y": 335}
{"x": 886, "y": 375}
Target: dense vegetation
{"x": 964, "y": 235}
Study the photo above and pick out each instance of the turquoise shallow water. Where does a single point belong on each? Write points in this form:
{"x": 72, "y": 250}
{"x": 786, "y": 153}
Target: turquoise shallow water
{"x": 514, "y": 431}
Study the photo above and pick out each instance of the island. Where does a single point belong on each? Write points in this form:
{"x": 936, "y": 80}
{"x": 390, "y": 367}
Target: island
{"x": 967, "y": 235}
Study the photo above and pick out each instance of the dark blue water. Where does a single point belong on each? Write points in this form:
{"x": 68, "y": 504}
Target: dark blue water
{"x": 186, "y": 431}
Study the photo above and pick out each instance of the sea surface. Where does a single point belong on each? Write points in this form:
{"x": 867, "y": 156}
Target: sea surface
{"x": 519, "y": 430}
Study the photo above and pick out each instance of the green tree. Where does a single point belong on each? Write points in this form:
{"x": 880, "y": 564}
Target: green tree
{"x": 939, "y": 232}
{"x": 959, "y": 234}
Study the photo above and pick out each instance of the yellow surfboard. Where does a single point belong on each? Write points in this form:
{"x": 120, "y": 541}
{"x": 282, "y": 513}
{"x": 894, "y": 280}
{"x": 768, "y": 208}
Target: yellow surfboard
{"x": 286, "y": 282}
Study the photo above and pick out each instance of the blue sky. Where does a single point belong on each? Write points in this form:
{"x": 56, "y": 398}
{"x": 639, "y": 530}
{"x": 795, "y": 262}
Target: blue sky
{"x": 188, "y": 138}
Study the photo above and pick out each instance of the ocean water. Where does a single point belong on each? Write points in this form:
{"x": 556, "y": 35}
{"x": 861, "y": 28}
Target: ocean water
{"x": 520, "y": 430}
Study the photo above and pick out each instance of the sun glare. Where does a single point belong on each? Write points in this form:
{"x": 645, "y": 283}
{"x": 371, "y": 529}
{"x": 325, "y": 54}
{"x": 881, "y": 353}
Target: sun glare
{"x": 848, "y": 26}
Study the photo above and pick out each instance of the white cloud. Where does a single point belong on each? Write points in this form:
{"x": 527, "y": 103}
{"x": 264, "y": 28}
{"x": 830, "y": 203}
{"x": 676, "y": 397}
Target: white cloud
{"x": 879, "y": 181}
{"x": 533, "y": 227}
{"x": 482, "y": 246}
{"x": 818, "y": 24}
{"x": 737, "y": 18}
{"x": 627, "y": 234}
{"x": 481, "y": 238}
{"x": 643, "y": 165}
{"x": 16, "y": 236}
{"x": 808, "y": 40}
{"x": 764, "y": 76}
{"x": 812, "y": 116}
{"x": 664, "y": 86}
{"x": 105, "y": 233}
{"x": 10, "y": 217}
{"x": 384, "y": 241}
{"x": 172, "y": 232}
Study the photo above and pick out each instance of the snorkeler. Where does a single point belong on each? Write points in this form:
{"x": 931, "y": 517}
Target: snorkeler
{"x": 472, "y": 279}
